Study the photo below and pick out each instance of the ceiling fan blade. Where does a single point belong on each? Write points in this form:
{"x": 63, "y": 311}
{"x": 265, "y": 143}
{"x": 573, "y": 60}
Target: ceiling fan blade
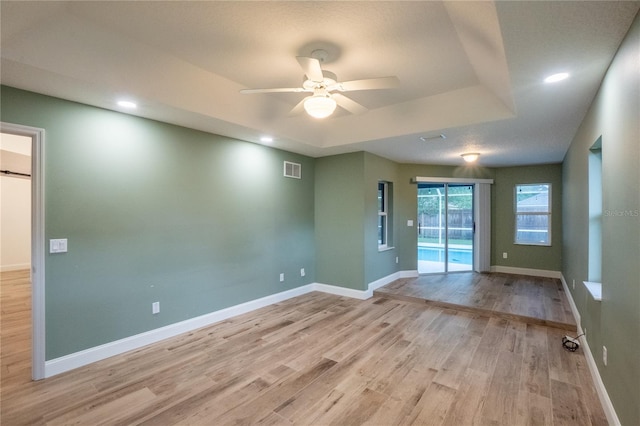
{"x": 298, "y": 109}
{"x": 368, "y": 84}
{"x": 311, "y": 68}
{"x": 275, "y": 90}
{"x": 350, "y": 105}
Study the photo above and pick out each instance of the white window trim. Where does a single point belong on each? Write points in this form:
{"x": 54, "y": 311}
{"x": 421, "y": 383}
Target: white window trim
{"x": 516, "y": 214}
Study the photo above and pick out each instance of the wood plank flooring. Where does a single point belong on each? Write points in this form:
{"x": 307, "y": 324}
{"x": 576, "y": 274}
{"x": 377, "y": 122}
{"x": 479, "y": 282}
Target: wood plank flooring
{"x": 15, "y": 327}
{"x": 317, "y": 359}
{"x": 534, "y": 300}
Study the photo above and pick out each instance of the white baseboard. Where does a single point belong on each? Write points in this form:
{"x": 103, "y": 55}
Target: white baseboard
{"x": 16, "y": 267}
{"x": 409, "y": 274}
{"x": 88, "y": 356}
{"x": 603, "y": 395}
{"x": 572, "y": 304}
{"x": 342, "y": 291}
{"x": 601, "y": 390}
{"x": 364, "y": 294}
{"x": 390, "y": 278}
{"x": 527, "y": 271}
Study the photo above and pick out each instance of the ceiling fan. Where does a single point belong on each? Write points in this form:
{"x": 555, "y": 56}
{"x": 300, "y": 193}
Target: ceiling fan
{"x": 326, "y": 88}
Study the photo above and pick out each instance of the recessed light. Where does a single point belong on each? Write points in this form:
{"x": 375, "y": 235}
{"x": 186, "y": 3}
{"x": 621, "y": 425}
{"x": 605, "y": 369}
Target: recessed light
{"x": 266, "y": 139}
{"x": 127, "y": 104}
{"x": 557, "y": 77}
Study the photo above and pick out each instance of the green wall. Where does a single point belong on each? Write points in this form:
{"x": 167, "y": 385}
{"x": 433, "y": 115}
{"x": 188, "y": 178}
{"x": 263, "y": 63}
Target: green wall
{"x": 503, "y": 218}
{"x": 156, "y": 212}
{"x": 346, "y": 213}
{"x": 614, "y": 322}
{"x": 339, "y": 226}
{"x": 407, "y": 192}
{"x": 379, "y": 264}
{"x": 199, "y": 222}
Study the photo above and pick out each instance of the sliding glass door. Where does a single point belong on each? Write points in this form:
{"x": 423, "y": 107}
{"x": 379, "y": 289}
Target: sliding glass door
{"x": 445, "y": 228}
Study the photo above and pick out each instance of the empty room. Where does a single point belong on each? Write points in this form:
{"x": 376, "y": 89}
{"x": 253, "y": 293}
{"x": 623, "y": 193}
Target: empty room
{"x": 315, "y": 213}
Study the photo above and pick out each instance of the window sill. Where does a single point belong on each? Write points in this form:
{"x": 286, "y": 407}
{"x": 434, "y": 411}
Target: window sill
{"x": 595, "y": 289}
{"x": 384, "y": 248}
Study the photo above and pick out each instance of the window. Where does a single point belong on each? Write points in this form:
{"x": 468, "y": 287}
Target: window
{"x": 533, "y": 214}
{"x": 384, "y": 214}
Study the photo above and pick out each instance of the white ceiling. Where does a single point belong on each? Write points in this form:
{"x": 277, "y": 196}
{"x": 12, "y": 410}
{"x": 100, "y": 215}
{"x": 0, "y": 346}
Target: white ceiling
{"x": 470, "y": 70}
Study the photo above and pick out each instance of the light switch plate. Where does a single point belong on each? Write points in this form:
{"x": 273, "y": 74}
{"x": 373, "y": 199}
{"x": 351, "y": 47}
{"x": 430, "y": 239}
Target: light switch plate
{"x": 58, "y": 245}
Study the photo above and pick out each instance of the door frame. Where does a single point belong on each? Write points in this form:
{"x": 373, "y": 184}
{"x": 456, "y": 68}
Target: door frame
{"x": 445, "y": 186}
{"x": 481, "y": 213}
{"x": 37, "y": 244}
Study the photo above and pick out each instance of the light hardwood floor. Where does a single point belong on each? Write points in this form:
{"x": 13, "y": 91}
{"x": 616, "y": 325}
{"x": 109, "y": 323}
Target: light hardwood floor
{"x": 534, "y": 300}
{"x": 318, "y": 359}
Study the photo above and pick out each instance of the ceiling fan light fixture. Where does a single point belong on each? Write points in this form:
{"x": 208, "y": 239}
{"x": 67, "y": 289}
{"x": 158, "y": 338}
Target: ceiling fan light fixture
{"x": 470, "y": 157}
{"x": 320, "y": 105}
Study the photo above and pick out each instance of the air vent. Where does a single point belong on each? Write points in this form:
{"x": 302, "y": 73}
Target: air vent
{"x": 292, "y": 170}
{"x": 428, "y": 138}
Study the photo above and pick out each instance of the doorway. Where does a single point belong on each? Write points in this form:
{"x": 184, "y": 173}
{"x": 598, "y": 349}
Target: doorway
{"x": 446, "y": 227}
{"x": 15, "y": 255}
{"x": 23, "y": 233}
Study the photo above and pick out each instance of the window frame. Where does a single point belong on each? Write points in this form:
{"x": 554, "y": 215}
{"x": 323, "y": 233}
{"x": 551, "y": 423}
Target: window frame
{"x": 517, "y": 214}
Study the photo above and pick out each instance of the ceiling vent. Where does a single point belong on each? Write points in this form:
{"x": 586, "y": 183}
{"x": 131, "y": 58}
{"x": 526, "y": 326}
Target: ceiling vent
{"x": 441, "y": 136}
{"x": 292, "y": 170}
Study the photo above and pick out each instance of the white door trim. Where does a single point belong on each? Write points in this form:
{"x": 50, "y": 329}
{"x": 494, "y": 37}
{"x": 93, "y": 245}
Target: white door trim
{"x": 37, "y": 243}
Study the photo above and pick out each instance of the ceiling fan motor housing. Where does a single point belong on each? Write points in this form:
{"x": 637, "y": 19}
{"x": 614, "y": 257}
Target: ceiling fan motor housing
{"x": 329, "y": 79}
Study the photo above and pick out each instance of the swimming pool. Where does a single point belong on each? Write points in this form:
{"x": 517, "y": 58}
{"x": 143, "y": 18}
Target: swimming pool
{"x": 436, "y": 254}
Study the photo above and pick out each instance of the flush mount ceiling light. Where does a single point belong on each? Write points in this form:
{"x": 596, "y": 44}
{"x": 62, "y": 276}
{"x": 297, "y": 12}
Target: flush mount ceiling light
{"x": 557, "y": 77}
{"x": 320, "y": 105}
{"x": 470, "y": 157}
{"x": 266, "y": 139}
{"x": 127, "y": 104}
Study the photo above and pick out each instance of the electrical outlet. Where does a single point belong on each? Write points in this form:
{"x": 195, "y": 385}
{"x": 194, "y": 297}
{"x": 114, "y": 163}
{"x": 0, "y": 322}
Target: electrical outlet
{"x": 302, "y": 273}
{"x": 282, "y": 277}
{"x": 504, "y": 255}
{"x": 574, "y": 284}
{"x": 397, "y": 259}
{"x": 604, "y": 355}
{"x": 155, "y": 308}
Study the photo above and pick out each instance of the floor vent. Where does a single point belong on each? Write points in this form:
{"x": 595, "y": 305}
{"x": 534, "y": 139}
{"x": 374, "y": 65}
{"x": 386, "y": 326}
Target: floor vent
{"x": 292, "y": 170}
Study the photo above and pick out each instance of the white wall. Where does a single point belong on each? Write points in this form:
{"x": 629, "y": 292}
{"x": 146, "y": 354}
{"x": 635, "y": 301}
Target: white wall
{"x": 15, "y": 251}
{"x": 15, "y": 205}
